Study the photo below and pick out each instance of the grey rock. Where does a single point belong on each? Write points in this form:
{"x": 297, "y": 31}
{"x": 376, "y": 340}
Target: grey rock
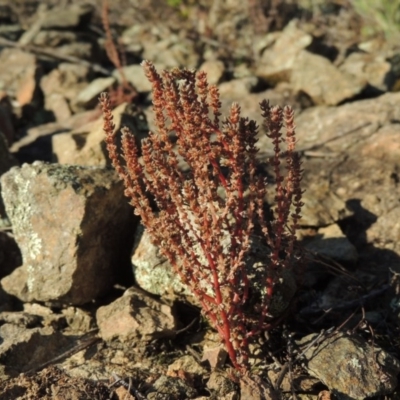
{"x": 156, "y": 275}
{"x": 351, "y": 367}
{"x": 70, "y": 223}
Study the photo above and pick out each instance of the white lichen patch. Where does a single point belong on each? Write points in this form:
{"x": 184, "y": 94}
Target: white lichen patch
{"x": 31, "y": 278}
{"x": 355, "y": 363}
{"x": 34, "y": 245}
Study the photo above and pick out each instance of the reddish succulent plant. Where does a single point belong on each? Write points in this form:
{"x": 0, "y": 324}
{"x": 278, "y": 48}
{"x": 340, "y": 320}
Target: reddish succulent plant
{"x": 203, "y": 176}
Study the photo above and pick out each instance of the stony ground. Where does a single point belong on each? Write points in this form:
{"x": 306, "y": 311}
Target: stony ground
{"x": 88, "y": 307}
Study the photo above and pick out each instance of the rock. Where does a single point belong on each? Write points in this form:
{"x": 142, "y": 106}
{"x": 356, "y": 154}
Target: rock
{"x": 351, "y": 367}
{"x": 321, "y": 205}
{"x": 188, "y": 365}
{"x": 156, "y": 275}
{"x": 67, "y": 79}
{"x": 214, "y": 356}
{"x": 19, "y": 318}
{"x": 85, "y": 144}
{"x": 22, "y": 349}
{"x": 236, "y": 89}
{"x": 172, "y": 51}
{"x": 383, "y": 144}
{"x": 320, "y": 80}
{"x": 19, "y": 75}
{"x": 332, "y": 243}
{"x": 78, "y": 320}
{"x": 340, "y": 294}
{"x": 48, "y": 317}
{"x": 88, "y": 98}
{"x": 74, "y": 16}
{"x": 135, "y": 316}
{"x": 153, "y": 272}
{"x": 71, "y": 224}
{"x": 215, "y": 70}
{"x": 220, "y": 384}
{"x": 57, "y": 384}
{"x": 170, "y": 388}
{"x": 62, "y": 86}
{"x": 336, "y": 129}
{"x": 58, "y": 105}
{"x": 276, "y": 63}
{"x": 136, "y": 77}
{"x": 372, "y": 68}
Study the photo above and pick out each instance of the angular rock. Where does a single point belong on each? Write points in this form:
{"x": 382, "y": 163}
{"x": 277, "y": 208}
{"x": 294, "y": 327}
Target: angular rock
{"x": 214, "y": 356}
{"x": 332, "y": 243}
{"x": 372, "y": 68}
{"x": 321, "y": 205}
{"x": 62, "y": 86}
{"x": 71, "y": 224}
{"x": 336, "y": 129}
{"x": 319, "y": 79}
{"x": 277, "y": 62}
{"x": 88, "y": 97}
{"x": 220, "y": 384}
{"x": 23, "y": 349}
{"x": 48, "y": 317}
{"x": 85, "y": 145}
{"x": 135, "y": 315}
{"x": 20, "y": 318}
{"x": 188, "y": 365}
{"x": 78, "y": 320}
{"x": 215, "y": 70}
{"x": 136, "y": 77}
{"x": 156, "y": 275}
{"x": 171, "y": 388}
{"x": 67, "y": 79}
{"x": 350, "y": 366}
{"x": 19, "y": 75}
{"x": 72, "y": 17}
{"x": 153, "y": 272}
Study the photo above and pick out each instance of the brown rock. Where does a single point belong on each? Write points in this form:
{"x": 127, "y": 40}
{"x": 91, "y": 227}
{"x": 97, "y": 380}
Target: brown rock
{"x": 319, "y": 79}
{"x": 372, "y": 68}
{"x": 277, "y": 62}
{"x": 19, "y": 75}
{"x": 351, "y": 367}
{"x": 135, "y": 315}
{"x": 70, "y": 223}
{"x": 23, "y": 349}
{"x": 85, "y": 145}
